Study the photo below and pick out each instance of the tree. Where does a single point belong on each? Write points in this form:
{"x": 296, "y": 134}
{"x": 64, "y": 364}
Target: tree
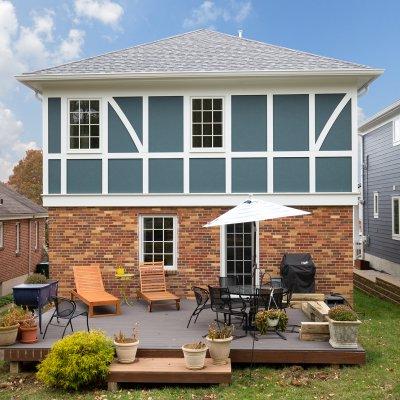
{"x": 27, "y": 176}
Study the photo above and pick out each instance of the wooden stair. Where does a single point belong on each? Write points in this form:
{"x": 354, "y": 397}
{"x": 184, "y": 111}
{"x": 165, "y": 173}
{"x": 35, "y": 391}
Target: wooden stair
{"x": 379, "y": 284}
{"x": 166, "y": 370}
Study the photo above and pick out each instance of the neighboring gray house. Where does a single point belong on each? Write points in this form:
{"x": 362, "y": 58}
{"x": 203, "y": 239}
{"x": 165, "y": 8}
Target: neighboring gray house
{"x": 381, "y": 189}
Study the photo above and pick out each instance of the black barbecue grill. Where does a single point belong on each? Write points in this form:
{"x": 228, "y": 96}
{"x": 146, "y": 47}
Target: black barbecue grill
{"x": 298, "y": 273}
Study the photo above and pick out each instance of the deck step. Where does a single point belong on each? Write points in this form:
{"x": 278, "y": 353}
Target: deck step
{"x": 167, "y": 370}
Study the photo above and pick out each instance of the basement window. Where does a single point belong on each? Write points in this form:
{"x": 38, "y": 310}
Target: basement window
{"x": 36, "y": 235}
{"x": 376, "y": 205}
{"x": 17, "y": 237}
{"x": 396, "y": 217}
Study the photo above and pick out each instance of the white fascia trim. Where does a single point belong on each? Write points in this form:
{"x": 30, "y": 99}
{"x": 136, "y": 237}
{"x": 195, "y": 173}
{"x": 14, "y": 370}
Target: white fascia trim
{"x": 126, "y": 122}
{"x": 380, "y": 118}
{"x": 197, "y": 200}
{"x": 23, "y": 216}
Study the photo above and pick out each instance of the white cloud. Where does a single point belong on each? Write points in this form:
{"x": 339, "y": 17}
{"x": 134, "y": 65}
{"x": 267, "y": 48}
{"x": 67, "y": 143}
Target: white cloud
{"x": 361, "y": 117}
{"x": 12, "y": 145}
{"x": 71, "y": 47}
{"x": 106, "y": 11}
{"x": 209, "y": 12}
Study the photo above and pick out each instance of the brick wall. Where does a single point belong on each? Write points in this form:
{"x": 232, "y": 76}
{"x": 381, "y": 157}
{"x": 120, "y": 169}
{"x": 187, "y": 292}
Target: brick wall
{"x": 109, "y": 237}
{"x": 13, "y": 265}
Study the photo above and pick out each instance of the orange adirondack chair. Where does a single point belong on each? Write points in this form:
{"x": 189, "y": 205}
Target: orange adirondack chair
{"x": 152, "y": 285}
{"x": 90, "y": 290}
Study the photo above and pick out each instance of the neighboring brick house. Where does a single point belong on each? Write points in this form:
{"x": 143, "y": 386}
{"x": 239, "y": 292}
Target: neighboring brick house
{"x": 22, "y": 237}
{"x": 144, "y": 146}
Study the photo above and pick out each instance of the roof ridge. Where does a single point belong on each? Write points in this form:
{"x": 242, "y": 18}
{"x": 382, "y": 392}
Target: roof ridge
{"x": 117, "y": 51}
{"x": 290, "y": 49}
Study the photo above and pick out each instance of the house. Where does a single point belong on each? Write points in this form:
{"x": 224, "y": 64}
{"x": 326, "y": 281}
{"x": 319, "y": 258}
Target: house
{"x": 22, "y": 237}
{"x": 144, "y": 146}
{"x": 381, "y": 189}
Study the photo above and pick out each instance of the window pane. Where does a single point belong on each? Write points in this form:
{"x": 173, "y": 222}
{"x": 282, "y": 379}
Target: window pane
{"x": 74, "y": 106}
{"x": 94, "y": 143}
{"x": 94, "y": 118}
{"x": 207, "y": 129}
{"x": 148, "y": 235}
{"x": 158, "y": 247}
{"x": 196, "y": 129}
{"x": 247, "y": 227}
{"x": 84, "y": 143}
{"x": 238, "y": 228}
{"x": 230, "y": 228}
{"x": 74, "y": 130}
{"x": 158, "y": 235}
{"x": 230, "y": 240}
{"x": 207, "y": 104}
{"x": 196, "y": 104}
{"x": 84, "y": 118}
{"x": 84, "y": 130}
{"x": 207, "y": 141}
{"x": 74, "y": 118}
{"x": 158, "y": 257}
{"x": 169, "y": 235}
{"x": 168, "y": 223}
{"x": 168, "y": 259}
{"x": 247, "y": 240}
{"x": 94, "y": 130}
{"x": 217, "y": 141}
{"x": 230, "y": 253}
{"x": 84, "y": 105}
{"x": 217, "y": 129}
{"x": 239, "y": 267}
{"x": 207, "y": 116}
{"x": 197, "y": 141}
{"x": 148, "y": 247}
{"x": 168, "y": 247}
{"x": 217, "y": 116}
{"x": 217, "y": 104}
{"x": 197, "y": 116}
{"x": 239, "y": 253}
{"x": 148, "y": 223}
{"x": 158, "y": 223}
{"x": 148, "y": 258}
{"x": 74, "y": 143}
{"x": 94, "y": 105}
{"x": 230, "y": 267}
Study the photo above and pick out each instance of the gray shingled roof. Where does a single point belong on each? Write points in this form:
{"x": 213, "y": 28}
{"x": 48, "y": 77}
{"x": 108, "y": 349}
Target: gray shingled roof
{"x": 14, "y": 204}
{"x": 201, "y": 51}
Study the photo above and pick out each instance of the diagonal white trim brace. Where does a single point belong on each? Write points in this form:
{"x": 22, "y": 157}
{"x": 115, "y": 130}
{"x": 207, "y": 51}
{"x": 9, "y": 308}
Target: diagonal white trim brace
{"x": 127, "y": 124}
{"x": 331, "y": 121}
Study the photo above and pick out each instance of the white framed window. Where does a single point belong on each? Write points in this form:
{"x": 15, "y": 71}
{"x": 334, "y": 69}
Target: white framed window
{"x": 396, "y": 217}
{"x": 17, "y": 237}
{"x": 36, "y": 235}
{"x": 207, "y": 123}
{"x": 83, "y": 124}
{"x": 1, "y": 235}
{"x": 396, "y": 132}
{"x": 376, "y": 205}
{"x": 159, "y": 240}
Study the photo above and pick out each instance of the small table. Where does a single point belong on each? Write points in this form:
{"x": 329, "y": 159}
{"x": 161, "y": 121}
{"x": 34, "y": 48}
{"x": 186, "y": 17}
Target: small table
{"x": 125, "y": 279}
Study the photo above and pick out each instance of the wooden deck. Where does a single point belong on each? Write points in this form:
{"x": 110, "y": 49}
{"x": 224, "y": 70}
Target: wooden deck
{"x": 163, "y": 332}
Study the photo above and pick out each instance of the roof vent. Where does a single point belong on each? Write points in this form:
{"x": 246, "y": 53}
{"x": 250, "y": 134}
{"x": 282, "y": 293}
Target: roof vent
{"x": 240, "y": 33}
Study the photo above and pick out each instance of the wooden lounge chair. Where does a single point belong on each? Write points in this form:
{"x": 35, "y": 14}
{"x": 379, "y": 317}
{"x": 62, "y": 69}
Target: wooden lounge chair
{"x": 90, "y": 290}
{"x": 152, "y": 285}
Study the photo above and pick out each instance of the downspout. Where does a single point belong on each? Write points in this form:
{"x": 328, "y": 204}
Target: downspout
{"x": 29, "y": 247}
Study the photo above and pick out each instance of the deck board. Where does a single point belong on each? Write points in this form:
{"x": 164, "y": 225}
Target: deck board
{"x": 163, "y": 332}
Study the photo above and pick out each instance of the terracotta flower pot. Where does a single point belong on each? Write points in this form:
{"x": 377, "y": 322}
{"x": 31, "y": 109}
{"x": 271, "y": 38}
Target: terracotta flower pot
{"x": 194, "y": 358}
{"x": 28, "y": 335}
{"x": 219, "y": 349}
{"x": 8, "y": 335}
{"x": 343, "y": 334}
{"x": 126, "y": 352}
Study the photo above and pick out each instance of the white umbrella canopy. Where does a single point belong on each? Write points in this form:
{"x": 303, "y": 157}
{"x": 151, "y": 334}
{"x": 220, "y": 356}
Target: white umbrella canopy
{"x": 255, "y": 210}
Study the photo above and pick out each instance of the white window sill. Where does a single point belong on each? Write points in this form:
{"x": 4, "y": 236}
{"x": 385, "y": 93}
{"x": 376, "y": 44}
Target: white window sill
{"x": 207, "y": 150}
{"x": 396, "y": 143}
{"x": 395, "y": 237}
{"x": 376, "y": 215}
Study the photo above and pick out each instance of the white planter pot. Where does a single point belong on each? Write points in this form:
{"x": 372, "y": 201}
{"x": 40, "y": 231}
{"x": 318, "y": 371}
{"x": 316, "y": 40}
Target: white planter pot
{"x": 273, "y": 322}
{"x": 126, "y": 352}
{"x": 8, "y": 335}
{"x": 194, "y": 358}
{"x": 219, "y": 349}
{"x": 343, "y": 334}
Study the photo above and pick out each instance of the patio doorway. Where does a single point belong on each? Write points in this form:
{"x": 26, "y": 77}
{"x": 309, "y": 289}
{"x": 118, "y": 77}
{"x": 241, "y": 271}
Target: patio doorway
{"x": 239, "y": 247}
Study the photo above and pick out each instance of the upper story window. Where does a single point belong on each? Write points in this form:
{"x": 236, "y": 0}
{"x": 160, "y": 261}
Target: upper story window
{"x": 396, "y": 131}
{"x": 376, "y": 205}
{"x": 1, "y": 235}
{"x": 207, "y": 123}
{"x": 396, "y": 218}
{"x": 84, "y": 124}
{"x": 17, "y": 238}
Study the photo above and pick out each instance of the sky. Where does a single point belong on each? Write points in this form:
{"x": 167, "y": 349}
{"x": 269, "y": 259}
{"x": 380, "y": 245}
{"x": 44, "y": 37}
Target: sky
{"x": 40, "y": 33}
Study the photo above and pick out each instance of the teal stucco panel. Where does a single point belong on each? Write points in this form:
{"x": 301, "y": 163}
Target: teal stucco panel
{"x": 132, "y": 107}
{"x": 291, "y": 174}
{"x": 84, "y": 176}
{"x": 249, "y": 175}
{"x": 54, "y": 176}
{"x": 207, "y": 175}
{"x": 125, "y": 176}
{"x": 325, "y": 105}
{"x": 291, "y": 122}
{"x": 333, "y": 174}
{"x": 54, "y": 124}
{"x": 249, "y": 123}
{"x": 339, "y": 136}
{"x": 119, "y": 139}
{"x": 165, "y": 123}
{"x": 166, "y": 175}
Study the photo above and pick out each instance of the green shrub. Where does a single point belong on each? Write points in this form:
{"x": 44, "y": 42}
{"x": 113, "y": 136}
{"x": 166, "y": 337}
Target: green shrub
{"x": 36, "y": 279}
{"x": 12, "y": 316}
{"x": 4, "y": 300}
{"x": 342, "y": 313}
{"x": 77, "y": 361}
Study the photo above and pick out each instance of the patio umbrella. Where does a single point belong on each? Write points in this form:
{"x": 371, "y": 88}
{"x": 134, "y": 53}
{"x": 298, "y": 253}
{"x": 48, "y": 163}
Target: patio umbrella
{"x": 253, "y": 210}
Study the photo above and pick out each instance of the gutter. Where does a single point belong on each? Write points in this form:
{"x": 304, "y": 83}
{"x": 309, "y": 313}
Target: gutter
{"x": 23, "y": 216}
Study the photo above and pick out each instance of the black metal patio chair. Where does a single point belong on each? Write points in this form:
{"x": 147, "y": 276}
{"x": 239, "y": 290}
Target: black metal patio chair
{"x": 66, "y": 309}
{"x": 202, "y": 296}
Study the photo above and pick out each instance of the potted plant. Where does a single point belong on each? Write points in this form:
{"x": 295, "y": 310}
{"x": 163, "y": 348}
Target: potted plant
{"x": 27, "y": 328}
{"x": 343, "y": 327}
{"x": 8, "y": 327}
{"x": 195, "y": 355}
{"x": 126, "y": 346}
{"x": 271, "y": 318}
{"x": 219, "y": 343}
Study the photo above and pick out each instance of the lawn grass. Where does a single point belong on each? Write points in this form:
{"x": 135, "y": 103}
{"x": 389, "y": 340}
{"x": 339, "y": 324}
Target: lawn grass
{"x": 378, "y": 379}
